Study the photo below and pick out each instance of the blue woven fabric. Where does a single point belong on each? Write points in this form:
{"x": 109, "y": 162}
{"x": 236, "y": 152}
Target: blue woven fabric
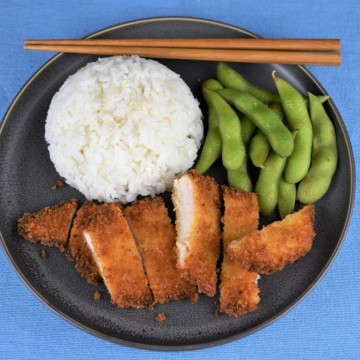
{"x": 326, "y": 324}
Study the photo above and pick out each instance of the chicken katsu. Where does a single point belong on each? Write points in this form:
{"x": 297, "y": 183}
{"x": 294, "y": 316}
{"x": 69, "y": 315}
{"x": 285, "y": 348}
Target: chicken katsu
{"x": 155, "y": 236}
{"x": 78, "y": 250}
{"x": 196, "y": 200}
{"x": 283, "y": 242}
{"x": 51, "y": 225}
{"x": 117, "y": 257}
{"x": 144, "y": 260}
{"x": 239, "y": 293}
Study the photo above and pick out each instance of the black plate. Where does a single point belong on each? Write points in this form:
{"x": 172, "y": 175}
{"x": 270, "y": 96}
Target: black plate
{"x": 27, "y": 174}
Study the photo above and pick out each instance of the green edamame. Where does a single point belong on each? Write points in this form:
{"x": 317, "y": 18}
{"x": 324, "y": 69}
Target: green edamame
{"x": 324, "y": 156}
{"x": 277, "y": 109}
{"x": 259, "y": 145}
{"x": 247, "y": 129}
{"x": 264, "y": 118}
{"x": 267, "y": 185}
{"x": 231, "y": 79}
{"x": 286, "y": 198}
{"x": 298, "y": 119}
{"x": 233, "y": 149}
{"x": 258, "y": 149}
{"x": 322, "y": 99}
{"x": 212, "y": 145}
{"x": 240, "y": 179}
{"x": 211, "y": 85}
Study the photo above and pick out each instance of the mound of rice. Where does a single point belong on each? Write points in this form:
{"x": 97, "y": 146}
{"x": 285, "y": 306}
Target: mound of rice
{"x": 122, "y": 127}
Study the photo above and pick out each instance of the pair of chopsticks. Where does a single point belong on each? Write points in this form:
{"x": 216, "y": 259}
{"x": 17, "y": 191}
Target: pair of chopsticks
{"x": 280, "y": 51}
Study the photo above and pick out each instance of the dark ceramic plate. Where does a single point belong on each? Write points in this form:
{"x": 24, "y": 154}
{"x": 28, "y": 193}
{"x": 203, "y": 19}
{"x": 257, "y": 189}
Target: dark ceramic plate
{"x": 27, "y": 174}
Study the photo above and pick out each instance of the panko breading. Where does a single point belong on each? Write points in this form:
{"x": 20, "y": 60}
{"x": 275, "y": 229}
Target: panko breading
{"x": 119, "y": 262}
{"x": 155, "y": 235}
{"x": 239, "y": 292}
{"x": 51, "y": 225}
{"x": 276, "y": 245}
{"x": 78, "y": 250}
{"x": 196, "y": 200}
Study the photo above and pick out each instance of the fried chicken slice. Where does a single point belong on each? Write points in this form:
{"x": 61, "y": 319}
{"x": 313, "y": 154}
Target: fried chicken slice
{"x": 78, "y": 249}
{"x": 239, "y": 292}
{"x": 276, "y": 245}
{"x": 51, "y": 225}
{"x": 196, "y": 200}
{"x": 155, "y": 235}
{"x": 118, "y": 260}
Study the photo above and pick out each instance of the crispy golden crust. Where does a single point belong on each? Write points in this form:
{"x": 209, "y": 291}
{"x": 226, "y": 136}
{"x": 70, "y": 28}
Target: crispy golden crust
{"x": 276, "y": 245}
{"x": 241, "y": 214}
{"x": 239, "y": 293}
{"x": 117, "y": 257}
{"x": 78, "y": 249}
{"x": 155, "y": 235}
{"x": 200, "y": 263}
{"x": 50, "y": 225}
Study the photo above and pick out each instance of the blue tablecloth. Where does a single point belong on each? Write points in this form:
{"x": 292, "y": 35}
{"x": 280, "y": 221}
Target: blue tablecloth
{"x": 326, "y": 324}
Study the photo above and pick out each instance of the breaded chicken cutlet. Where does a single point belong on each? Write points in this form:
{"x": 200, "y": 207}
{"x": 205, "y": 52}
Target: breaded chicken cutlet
{"x": 239, "y": 292}
{"x": 51, "y": 225}
{"x": 196, "y": 200}
{"x": 117, "y": 257}
{"x": 270, "y": 249}
{"x": 155, "y": 235}
{"x": 78, "y": 250}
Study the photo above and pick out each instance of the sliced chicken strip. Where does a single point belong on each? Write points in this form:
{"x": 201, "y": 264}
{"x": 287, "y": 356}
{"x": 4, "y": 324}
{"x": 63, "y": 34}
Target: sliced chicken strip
{"x": 196, "y": 200}
{"x": 78, "y": 250}
{"x": 117, "y": 257}
{"x": 51, "y": 225}
{"x": 273, "y": 247}
{"x": 239, "y": 292}
{"x": 155, "y": 235}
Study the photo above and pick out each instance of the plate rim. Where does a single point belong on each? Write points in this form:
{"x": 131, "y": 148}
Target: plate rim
{"x": 224, "y": 340}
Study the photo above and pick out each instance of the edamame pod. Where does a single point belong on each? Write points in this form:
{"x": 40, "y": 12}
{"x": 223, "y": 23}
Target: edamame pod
{"x": 212, "y": 145}
{"x": 267, "y": 185}
{"x": 247, "y": 129}
{"x": 212, "y": 85}
{"x": 233, "y": 149}
{"x": 258, "y": 149}
{"x": 298, "y": 119}
{"x": 230, "y": 78}
{"x": 239, "y": 179}
{"x": 286, "y": 198}
{"x": 265, "y": 119}
{"x": 322, "y": 99}
{"x": 259, "y": 145}
{"x": 324, "y": 156}
{"x": 277, "y": 109}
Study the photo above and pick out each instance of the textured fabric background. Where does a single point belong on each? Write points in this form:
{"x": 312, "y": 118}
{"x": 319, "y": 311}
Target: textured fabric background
{"x": 326, "y": 324}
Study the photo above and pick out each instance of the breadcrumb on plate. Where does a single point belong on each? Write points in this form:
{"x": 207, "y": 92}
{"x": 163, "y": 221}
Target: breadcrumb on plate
{"x": 160, "y": 317}
{"x": 97, "y": 295}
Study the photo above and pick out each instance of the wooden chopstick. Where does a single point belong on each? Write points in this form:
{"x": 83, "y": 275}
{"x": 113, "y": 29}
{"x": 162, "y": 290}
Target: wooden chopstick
{"x": 211, "y": 43}
{"x": 195, "y": 50}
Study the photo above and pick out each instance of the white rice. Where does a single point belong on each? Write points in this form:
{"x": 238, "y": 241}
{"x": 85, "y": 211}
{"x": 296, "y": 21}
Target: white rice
{"x": 122, "y": 127}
